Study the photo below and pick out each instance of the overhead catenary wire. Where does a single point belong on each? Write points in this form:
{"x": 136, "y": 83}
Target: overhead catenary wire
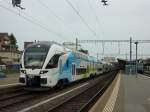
{"x": 31, "y": 17}
{"x": 60, "y": 19}
{"x": 51, "y": 12}
{"x": 32, "y": 21}
{"x": 96, "y": 17}
{"x": 82, "y": 19}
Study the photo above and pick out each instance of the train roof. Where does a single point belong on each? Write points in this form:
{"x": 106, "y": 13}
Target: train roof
{"x": 50, "y": 43}
{"x": 91, "y": 58}
{"x": 43, "y": 44}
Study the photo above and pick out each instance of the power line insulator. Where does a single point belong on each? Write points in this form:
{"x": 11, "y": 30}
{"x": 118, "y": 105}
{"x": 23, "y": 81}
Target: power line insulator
{"x": 17, "y": 3}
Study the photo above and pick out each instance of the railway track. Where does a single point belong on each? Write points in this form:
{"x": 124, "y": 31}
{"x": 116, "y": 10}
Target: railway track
{"x": 10, "y": 89}
{"x": 82, "y": 102}
{"x": 17, "y": 99}
{"x": 11, "y": 95}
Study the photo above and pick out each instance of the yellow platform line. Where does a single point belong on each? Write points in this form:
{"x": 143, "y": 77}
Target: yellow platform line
{"x": 113, "y": 97}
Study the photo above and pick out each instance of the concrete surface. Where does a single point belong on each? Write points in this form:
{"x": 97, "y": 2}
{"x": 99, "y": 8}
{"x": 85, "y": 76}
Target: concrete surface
{"x": 134, "y": 94}
{"x": 10, "y": 79}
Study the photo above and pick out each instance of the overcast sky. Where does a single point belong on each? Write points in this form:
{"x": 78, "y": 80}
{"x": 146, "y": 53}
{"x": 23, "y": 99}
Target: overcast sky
{"x": 120, "y": 20}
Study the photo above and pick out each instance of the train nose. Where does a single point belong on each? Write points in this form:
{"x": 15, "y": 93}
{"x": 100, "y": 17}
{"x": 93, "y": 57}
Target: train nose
{"x": 33, "y": 81}
{"x": 22, "y": 80}
{"x": 43, "y": 80}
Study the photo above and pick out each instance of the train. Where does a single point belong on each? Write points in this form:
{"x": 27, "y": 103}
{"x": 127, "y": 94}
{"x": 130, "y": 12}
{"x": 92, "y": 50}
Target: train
{"x": 49, "y": 64}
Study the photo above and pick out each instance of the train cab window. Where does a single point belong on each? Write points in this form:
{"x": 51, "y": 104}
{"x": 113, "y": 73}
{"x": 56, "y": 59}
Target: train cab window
{"x": 80, "y": 71}
{"x": 34, "y": 57}
{"x": 53, "y": 63}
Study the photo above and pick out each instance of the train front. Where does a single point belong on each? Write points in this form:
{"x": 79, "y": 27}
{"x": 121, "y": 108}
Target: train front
{"x": 33, "y": 60}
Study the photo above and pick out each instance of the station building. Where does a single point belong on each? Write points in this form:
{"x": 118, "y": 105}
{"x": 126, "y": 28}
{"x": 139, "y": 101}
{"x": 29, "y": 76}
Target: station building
{"x": 9, "y": 53}
{"x": 130, "y": 66}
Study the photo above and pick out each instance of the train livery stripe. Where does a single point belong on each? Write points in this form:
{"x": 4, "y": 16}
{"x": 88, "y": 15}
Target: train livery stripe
{"x": 46, "y": 101}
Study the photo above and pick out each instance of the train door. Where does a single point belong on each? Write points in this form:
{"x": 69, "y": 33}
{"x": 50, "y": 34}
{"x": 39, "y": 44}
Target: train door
{"x": 73, "y": 71}
{"x": 60, "y": 66}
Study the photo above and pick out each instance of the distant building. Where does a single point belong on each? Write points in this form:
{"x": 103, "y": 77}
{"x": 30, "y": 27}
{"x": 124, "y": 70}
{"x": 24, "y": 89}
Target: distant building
{"x": 9, "y": 53}
{"x": 109, "y": 59}
{"x": 146, "y": 63}
{"x": 4, "y": 42}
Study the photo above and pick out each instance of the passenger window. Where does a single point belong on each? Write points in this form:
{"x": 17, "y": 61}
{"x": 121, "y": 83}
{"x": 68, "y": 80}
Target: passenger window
{"x": 80, "y": 71}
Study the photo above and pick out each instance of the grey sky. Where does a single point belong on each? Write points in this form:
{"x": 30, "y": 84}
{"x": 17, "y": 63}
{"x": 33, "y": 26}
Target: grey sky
{"x": 120, "y": 20}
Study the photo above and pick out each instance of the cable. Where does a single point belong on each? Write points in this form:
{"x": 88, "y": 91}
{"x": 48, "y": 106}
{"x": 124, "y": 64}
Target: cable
{"x": 52, "y": 12}
{"x": 31, "y": 21}
{"x": 55, "y": 15}
{"x": 34, "y": 19}
{"x": 96, "y": 17}
{"x": 82, "y": 19}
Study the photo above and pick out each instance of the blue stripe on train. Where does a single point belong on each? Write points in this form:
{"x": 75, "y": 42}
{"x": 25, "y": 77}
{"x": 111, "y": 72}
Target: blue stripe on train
{"x": 67, "y": 67}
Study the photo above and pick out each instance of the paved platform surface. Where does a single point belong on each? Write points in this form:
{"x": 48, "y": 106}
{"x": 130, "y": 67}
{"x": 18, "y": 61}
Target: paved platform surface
{"x": 147, "y": 73}
{"x": 10, "y": 79}
{"x": 134, "y": 94}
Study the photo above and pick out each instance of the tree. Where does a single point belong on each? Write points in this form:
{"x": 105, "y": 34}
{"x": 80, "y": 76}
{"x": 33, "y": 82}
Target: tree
{"x": 12, "y": 39}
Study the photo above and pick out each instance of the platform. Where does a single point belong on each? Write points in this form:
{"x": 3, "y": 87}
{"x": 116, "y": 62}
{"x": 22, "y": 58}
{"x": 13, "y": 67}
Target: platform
{"x": 127, "y": 93}
{"x": 134, "y": 94}
{"x": 11, "y": 79}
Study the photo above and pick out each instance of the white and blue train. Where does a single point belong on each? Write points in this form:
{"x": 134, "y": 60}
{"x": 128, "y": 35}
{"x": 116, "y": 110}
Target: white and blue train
{"x": 47, "y": 64}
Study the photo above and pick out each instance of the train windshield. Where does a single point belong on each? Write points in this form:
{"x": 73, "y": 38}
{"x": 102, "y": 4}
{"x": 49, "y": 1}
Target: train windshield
{"x": 34, "y": 57}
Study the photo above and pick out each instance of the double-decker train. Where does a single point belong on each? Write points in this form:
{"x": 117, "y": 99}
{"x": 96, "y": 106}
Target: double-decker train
{"x": 48, "y": 64}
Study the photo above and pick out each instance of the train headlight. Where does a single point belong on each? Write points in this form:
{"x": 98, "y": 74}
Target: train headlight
{"x": 43, "y": 71}
{"x": 23, "y": 71}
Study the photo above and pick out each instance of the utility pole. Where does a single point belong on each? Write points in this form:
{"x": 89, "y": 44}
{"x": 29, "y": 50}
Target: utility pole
{"x": 126, "y": 56}
{"x": 136, "y": 43}
{"x": 118, "y": 47}
{"x": 130, "y": 49}
{"x": 103, "y": 46}
{"x": 97, "y": 55}
{"x": 76, "y": 44}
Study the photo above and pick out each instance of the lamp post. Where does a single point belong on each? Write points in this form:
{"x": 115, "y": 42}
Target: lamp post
{"x": 136, "y": 43}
